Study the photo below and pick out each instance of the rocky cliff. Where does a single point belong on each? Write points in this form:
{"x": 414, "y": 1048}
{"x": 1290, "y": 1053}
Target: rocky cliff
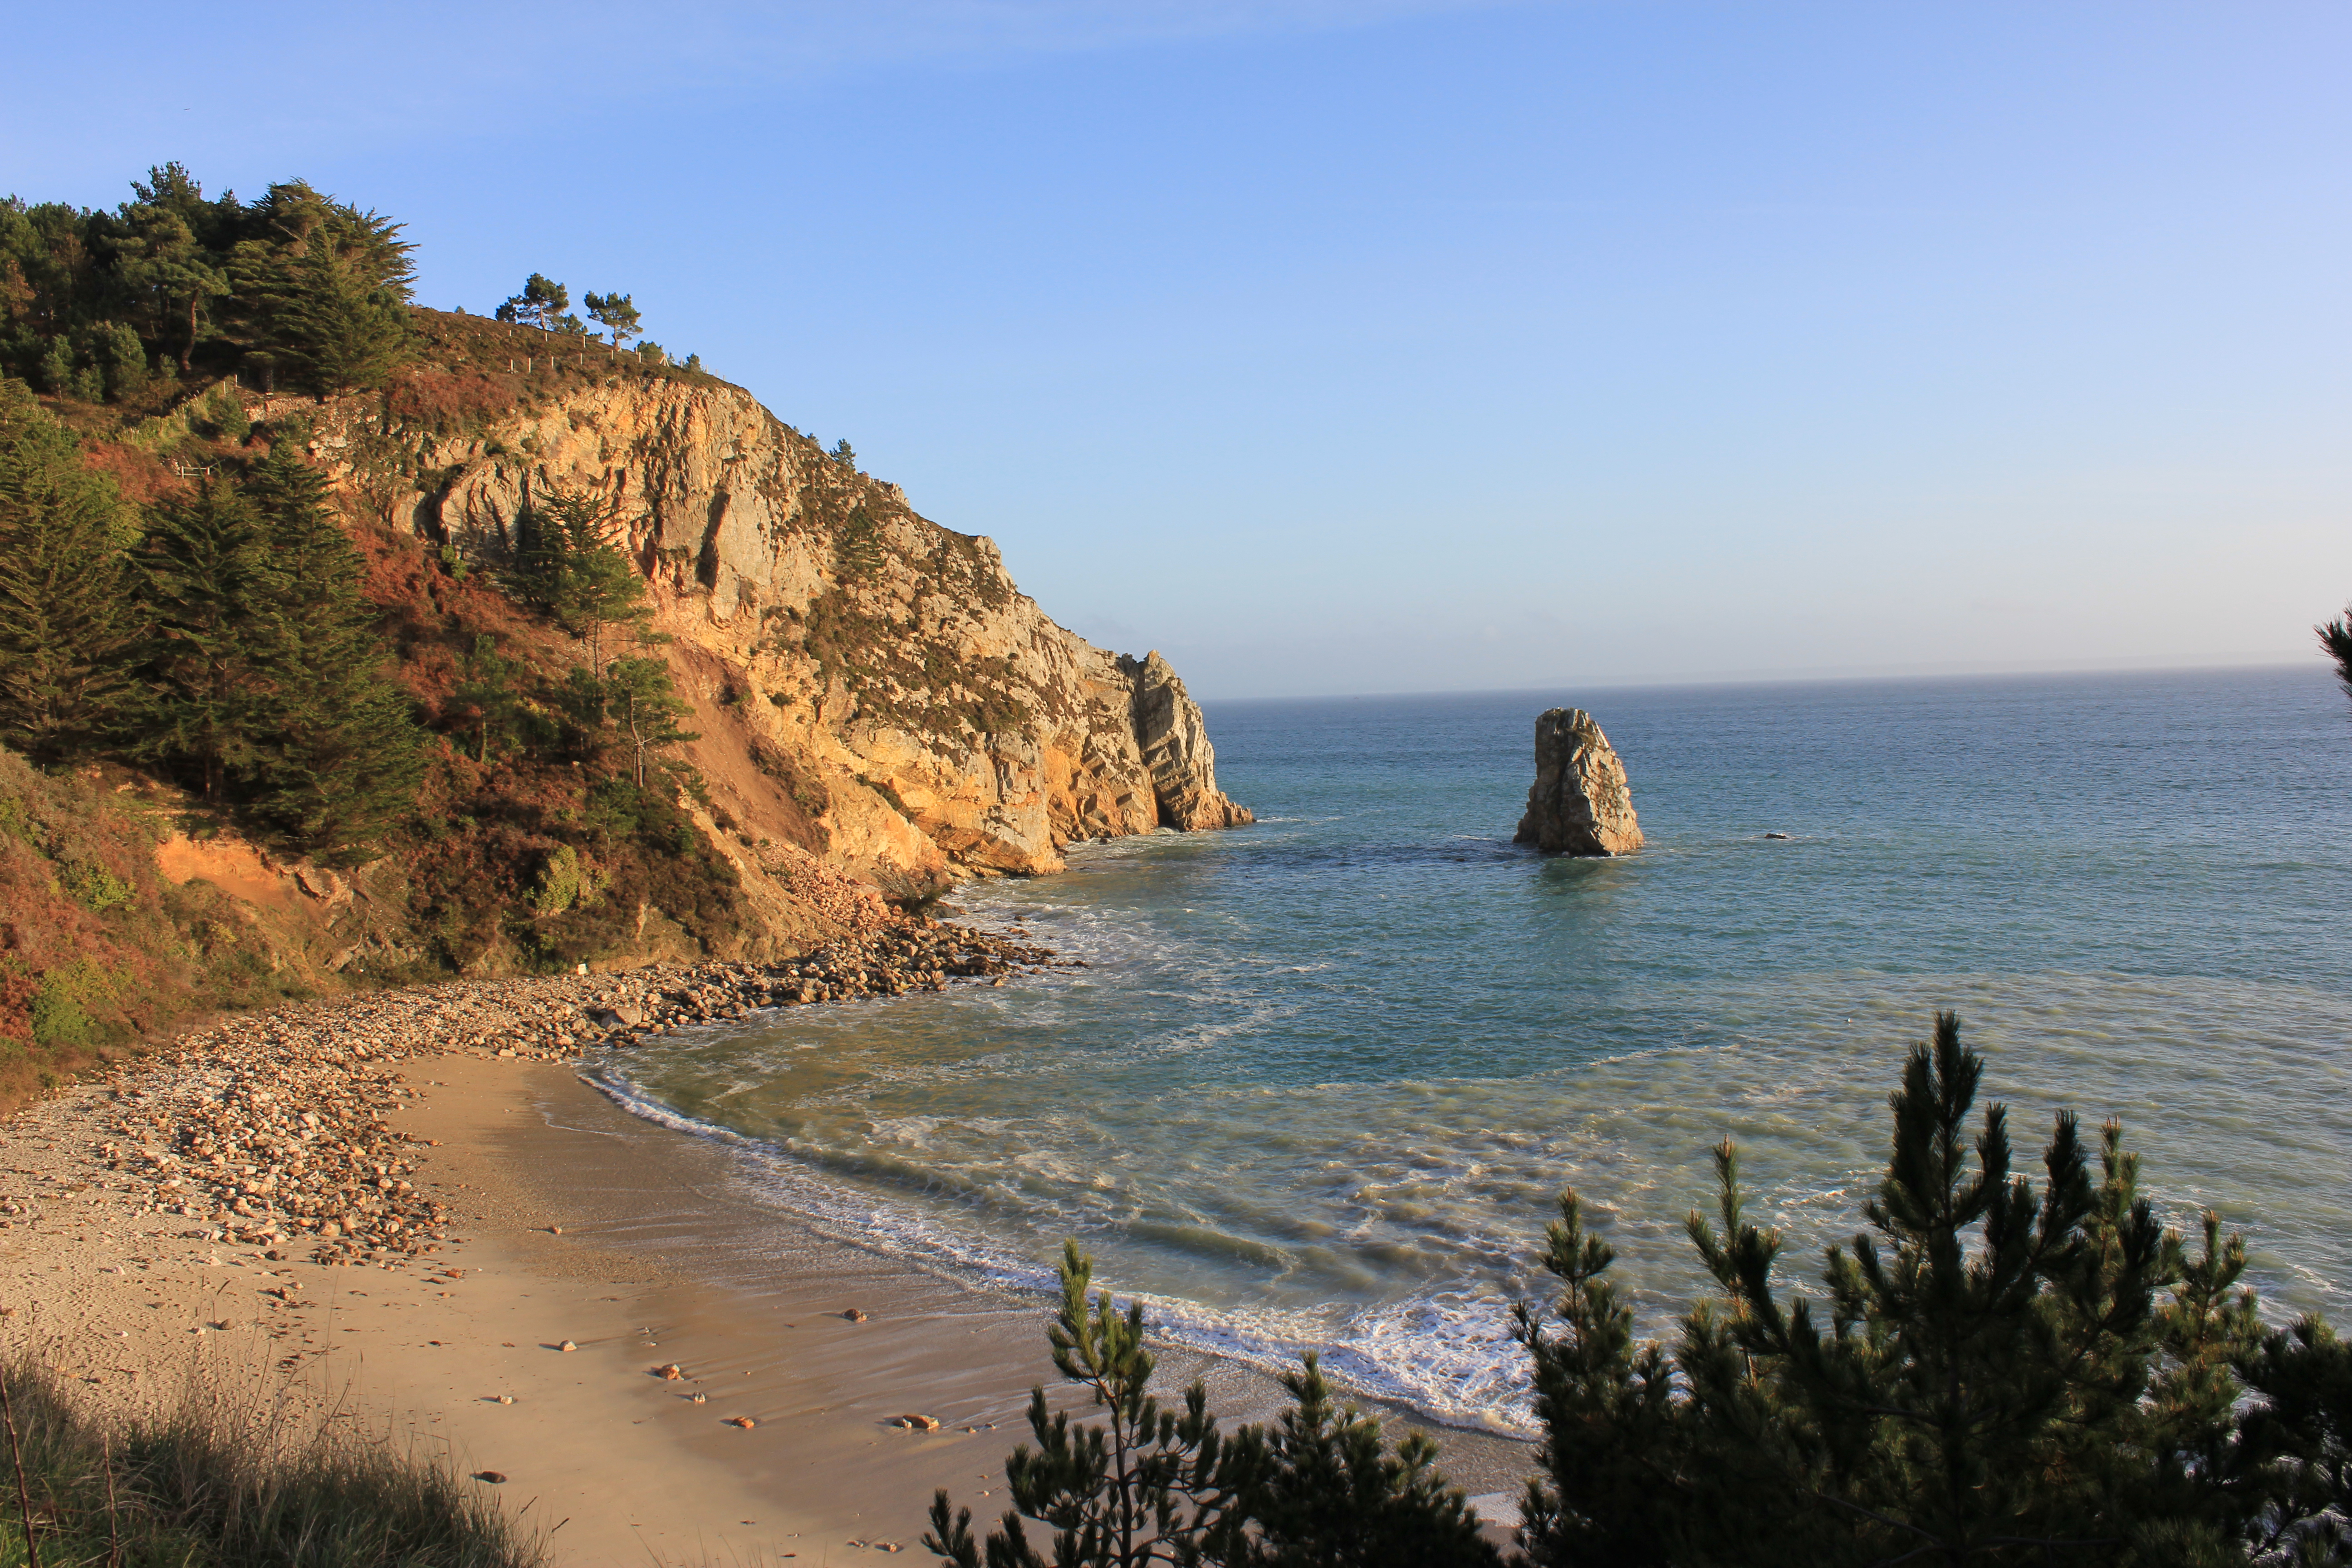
{"x": 871, "y": 689}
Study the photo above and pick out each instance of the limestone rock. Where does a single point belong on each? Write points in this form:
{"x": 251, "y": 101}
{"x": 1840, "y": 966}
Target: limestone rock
{"x": 1174, "y": 742}
{"x": 869, "y": 689}
{"x": 1580, "y": 803}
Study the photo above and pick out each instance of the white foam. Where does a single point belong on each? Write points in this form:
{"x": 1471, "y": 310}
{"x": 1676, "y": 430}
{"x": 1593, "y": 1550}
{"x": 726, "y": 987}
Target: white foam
{"x": 1447, "y": 1354}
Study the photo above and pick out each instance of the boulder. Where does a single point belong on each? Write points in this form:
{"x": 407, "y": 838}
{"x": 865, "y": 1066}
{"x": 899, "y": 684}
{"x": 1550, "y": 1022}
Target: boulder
{"x": 1174, "y": 742}
{"x": 1580, "y": 803}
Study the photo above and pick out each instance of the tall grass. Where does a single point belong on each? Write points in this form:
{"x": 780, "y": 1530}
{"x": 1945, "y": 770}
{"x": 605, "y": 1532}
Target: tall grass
{"x": 201, "y": 1486}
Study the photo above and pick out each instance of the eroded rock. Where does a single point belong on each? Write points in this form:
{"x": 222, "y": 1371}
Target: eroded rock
{"x": 1174, "y": 742}
{"x": 1580, "y": 803}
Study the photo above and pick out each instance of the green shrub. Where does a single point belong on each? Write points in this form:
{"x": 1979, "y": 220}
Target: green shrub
{"x": 62, "y": 1003}
{"x": 559, "y": 882}
{"x": 94, "y": 888}
{"x": 224, "y": 412}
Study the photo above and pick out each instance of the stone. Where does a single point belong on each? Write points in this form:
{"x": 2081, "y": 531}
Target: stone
{"x": 745, "y": 1422}
{"x": 567, "y": 1345}
{"x": 917, "y": 1423}
{"x": 669, "y": 1373}
{"x": 853, "y": 1315}
{"x": 1174, "y": 740}
{"x": 1580, "y": 803}
{"x": 325, "y": 886}
{"x": 496, "y": 1477}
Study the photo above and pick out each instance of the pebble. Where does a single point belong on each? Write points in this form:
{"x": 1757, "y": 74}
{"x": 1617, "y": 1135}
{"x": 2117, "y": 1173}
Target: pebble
{"x": 496, "y": 1477}
{"x": 917, "y": 1423}
{"x": 273, "y": 1131}
{"x": 853, "y": 1315}
{"x": 745, "y": 1422}
{"x": 567, "y": 1345}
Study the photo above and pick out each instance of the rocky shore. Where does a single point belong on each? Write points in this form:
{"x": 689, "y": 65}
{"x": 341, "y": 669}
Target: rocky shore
{"x": 270, "y": 1130}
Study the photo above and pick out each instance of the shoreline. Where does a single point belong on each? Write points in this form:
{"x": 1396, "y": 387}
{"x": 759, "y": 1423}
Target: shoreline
{"x": 537, "y": 1211}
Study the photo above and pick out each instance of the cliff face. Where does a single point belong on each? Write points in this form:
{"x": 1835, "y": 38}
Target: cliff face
{"x": 870, "y": 689}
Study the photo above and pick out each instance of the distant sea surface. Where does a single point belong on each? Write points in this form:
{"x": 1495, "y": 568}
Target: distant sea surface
{"x": 1323, "y": 1076}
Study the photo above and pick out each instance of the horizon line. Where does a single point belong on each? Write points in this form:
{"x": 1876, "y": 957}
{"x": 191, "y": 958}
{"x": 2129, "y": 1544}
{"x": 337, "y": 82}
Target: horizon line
{"x": 1896, "y": 675}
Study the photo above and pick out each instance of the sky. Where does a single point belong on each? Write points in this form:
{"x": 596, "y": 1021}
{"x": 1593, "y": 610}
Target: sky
{"x": 1338, "y": 346}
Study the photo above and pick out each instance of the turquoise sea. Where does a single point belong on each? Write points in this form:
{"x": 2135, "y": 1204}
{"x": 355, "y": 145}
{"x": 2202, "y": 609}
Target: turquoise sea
{"x": 1322, "y": 1077}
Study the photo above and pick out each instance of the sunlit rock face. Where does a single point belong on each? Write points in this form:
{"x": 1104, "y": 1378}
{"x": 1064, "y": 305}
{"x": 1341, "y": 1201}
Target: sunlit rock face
{"x": 1580, "y": 803}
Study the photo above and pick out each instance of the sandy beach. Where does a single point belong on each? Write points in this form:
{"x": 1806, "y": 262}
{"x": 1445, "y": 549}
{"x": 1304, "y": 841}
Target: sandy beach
{"x": 565, "y": 1221}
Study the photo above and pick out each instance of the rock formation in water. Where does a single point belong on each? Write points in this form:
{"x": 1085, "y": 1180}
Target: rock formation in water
{"x": 1176, "y": 751}
{"x": 1580, "y": 803}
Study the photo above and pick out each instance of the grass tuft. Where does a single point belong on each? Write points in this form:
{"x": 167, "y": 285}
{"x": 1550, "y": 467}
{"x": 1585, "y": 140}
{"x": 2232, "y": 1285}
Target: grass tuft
{"x": 200, "y": 1487}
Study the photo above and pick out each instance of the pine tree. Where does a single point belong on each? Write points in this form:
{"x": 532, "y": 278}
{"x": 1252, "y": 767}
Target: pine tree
{"x": 487, "y": 688}
{"x": 618, "y": 315}
{"x": 1995, "y": 1374}
{"x": 542, "y": 302}
{"x": 1326, "y": 1491}
{"x": 1145, "y": 1486}
{"x": 1321, "y": 1489}
{"x": 325, "y": 287}
{"x": 2294, "y": 1458}
{"x": 66, "y": 627}
{"x": 344, "y": 333}
{"x": 1613, "y": 1455}
{"x": 204, "y": 568}
{"x": 338, "y": 750}
{"x": 1977, "y": 1365}
{"x": 161, "y": 260}
{"x": 566, "y": 568}
{"x": 2336, "y": 642}
{"x": 646, "y": 707}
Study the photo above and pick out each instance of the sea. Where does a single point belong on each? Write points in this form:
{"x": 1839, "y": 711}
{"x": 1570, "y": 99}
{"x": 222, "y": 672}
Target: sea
{"x": 1321, "y": 1080}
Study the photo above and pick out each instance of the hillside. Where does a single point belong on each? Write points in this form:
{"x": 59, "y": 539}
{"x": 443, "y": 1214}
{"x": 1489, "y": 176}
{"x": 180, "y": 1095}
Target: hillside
{"x": 806, "y": 703}
{"x": 869, "y": 686}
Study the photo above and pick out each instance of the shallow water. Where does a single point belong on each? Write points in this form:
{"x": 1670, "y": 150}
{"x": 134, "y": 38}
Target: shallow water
{"x": 1324, "y": 1076}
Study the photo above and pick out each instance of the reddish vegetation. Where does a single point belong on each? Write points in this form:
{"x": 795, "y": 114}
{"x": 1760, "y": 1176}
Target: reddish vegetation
{"x": 93, "y": 938}
{"x": 59, "y": 840}
{"x": 142, "y": 476}
{"x": 489, "y": 830}
{"x": 443, "y": 399}
{"x": 431, "y": 619}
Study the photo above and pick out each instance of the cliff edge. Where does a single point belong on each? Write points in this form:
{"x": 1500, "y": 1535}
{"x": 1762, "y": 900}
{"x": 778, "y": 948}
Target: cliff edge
{"x": 870, "y": 689}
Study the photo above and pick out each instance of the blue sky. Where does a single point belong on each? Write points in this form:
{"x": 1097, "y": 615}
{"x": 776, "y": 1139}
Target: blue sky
{"x": 1337, "y": 347}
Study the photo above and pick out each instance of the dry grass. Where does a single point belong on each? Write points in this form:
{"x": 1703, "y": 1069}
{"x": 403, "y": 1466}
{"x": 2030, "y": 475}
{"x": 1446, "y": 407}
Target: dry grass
{"x": 209, "y": 1484}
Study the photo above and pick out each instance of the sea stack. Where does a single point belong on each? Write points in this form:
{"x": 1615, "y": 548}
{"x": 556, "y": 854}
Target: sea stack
{"x": 1174, "y": 744}
{"x": 1580, "y": 803}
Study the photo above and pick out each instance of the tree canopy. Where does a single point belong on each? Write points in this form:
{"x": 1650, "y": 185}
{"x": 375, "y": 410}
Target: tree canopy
{"x": 616, "y": 313}
{"x": 540, "y": 304}
{"x": 92, "y": 303}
